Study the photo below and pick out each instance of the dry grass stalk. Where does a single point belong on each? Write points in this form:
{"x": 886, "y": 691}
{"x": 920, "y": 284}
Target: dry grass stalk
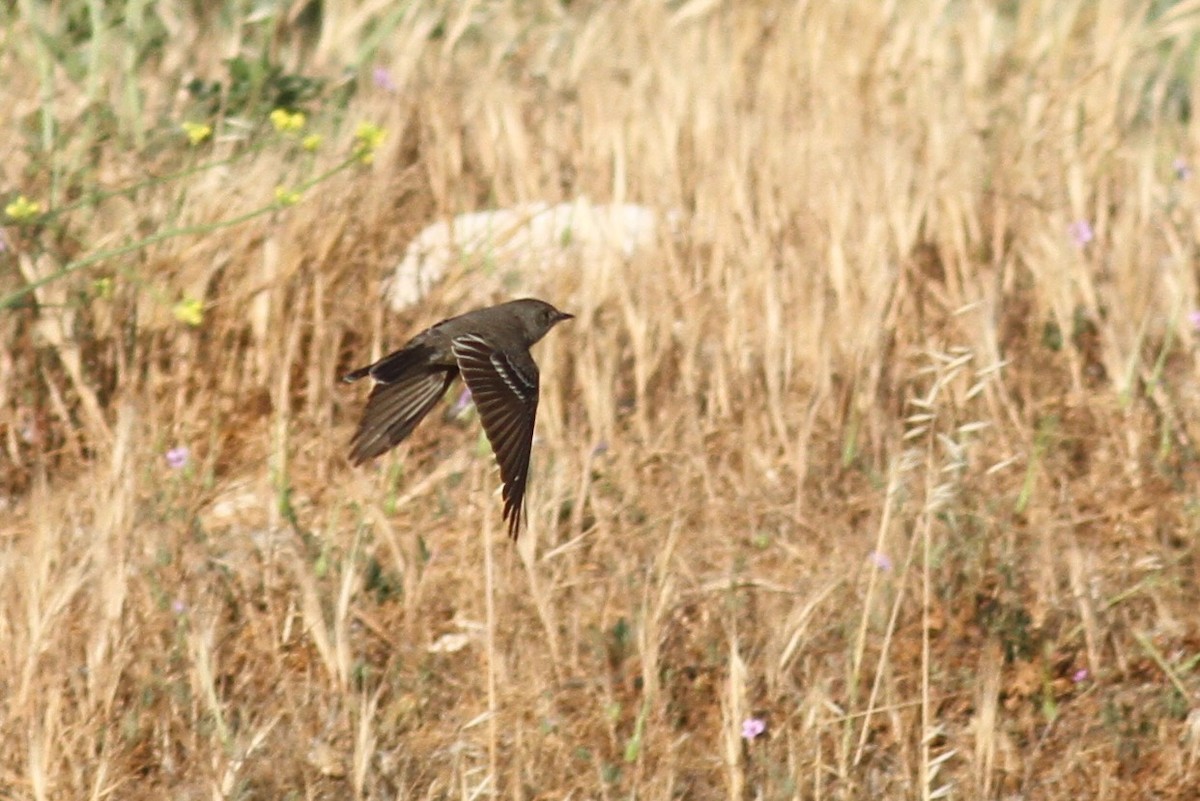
{"x": 890, "y": 446}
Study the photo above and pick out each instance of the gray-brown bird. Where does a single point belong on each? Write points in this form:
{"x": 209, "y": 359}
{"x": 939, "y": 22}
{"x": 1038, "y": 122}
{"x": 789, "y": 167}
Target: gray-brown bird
{"x": 489, "y": 348}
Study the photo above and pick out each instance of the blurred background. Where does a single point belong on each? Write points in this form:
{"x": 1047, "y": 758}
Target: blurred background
{"x": 867, "y": 468}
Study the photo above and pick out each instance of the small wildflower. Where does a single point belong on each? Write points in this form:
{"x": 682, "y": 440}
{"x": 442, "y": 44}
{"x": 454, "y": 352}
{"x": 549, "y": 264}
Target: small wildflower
{"x": 311, "y": 142}
{"x": 103, "y": 287}
{"x": 189, "y": 311}
{"x": 29, "y": 428}
{"x": 1183, "y": 170}
{"x": 196, "y": 132}
{"x": 1194, "y": 319}
{"x": 177, "y": 457}
{"x": 287, "y": 121}
{"x": 23, "y": 208}
{"x": 367, "y": 138}
{"x": 753, "y": 728}
{"x": 286, "y": 197}
{"x": 383, "y": 79}
{"x": 880, "y": 560}
{"x": 1081, "y": 232}
{"x": 1080, "y": 675}
{"x": 178, "y": 606}
{"x": 461, "y": 404}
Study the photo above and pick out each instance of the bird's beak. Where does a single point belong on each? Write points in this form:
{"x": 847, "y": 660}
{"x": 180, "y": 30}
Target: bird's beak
{"x": 562, "y": 315}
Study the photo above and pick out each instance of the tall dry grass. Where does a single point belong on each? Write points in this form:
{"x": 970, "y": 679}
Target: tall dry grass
{"x": 871, "y": 449}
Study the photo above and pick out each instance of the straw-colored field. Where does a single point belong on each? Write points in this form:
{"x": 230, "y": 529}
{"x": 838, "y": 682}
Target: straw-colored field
{"x": 886, "y": 445}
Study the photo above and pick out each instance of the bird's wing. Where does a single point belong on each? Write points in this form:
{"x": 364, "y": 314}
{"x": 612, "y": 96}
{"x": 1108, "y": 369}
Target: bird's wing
{"x": 395, "y": 407}
{"x": 504, "y": 386}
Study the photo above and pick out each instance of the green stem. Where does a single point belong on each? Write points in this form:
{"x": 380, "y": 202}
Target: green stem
{"x": 10, "y": 300}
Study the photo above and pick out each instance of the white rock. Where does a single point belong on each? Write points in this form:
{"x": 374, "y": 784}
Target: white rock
{"x": 530, "y": 240}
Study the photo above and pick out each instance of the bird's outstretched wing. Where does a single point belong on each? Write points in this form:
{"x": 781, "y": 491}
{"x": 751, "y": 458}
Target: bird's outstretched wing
{"x": 504, "y": 385}
{"x": 398, "y": 402}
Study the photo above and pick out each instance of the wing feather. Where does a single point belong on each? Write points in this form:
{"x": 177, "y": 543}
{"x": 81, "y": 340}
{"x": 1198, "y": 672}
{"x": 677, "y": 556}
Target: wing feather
{"x": 394, "y": 410}
{"x": 504, "y": 385}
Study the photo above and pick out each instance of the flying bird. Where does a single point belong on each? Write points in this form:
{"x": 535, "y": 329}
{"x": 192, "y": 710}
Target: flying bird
{"x": 489, "y": 349}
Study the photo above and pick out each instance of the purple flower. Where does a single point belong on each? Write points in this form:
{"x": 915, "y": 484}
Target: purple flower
{"x": 1182, "y": 170}
{"x": 460, "y": 405}
{"x": 177, "y": 457}
{"x": 1194, "y": 319}
{"x": 178, "y": 606}
{"x": 1081, "y": 232}
{"x": 880, "y": 560}
{"x": 753, "y": 728}
{"x": 27, "y": 426}
{"x": 383, "y": 79}
{"x": 1080, "y": 675}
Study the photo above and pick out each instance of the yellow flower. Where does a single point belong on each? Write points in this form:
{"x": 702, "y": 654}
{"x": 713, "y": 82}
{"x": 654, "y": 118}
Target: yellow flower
{"x": 103, "y": 287}
{"x": 311, "y": 142}
{"x": 189, "y": 311}
{"x": 287, "y": 121}
{"x": 196, "y": 132}
{"x": 286, "y": 197}
{"x": 367, "y": 138}
{"x": 23, "y": 208}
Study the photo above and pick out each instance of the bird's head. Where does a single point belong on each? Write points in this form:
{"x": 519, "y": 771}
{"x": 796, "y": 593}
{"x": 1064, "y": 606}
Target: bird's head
{"x": 537, "y": 317}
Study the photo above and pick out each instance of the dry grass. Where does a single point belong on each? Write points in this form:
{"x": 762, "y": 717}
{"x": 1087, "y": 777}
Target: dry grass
{"x": 872, "y": 339}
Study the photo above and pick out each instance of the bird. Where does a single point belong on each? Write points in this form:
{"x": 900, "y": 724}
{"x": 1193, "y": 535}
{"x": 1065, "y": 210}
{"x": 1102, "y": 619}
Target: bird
{"x": 489, "y": 349}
